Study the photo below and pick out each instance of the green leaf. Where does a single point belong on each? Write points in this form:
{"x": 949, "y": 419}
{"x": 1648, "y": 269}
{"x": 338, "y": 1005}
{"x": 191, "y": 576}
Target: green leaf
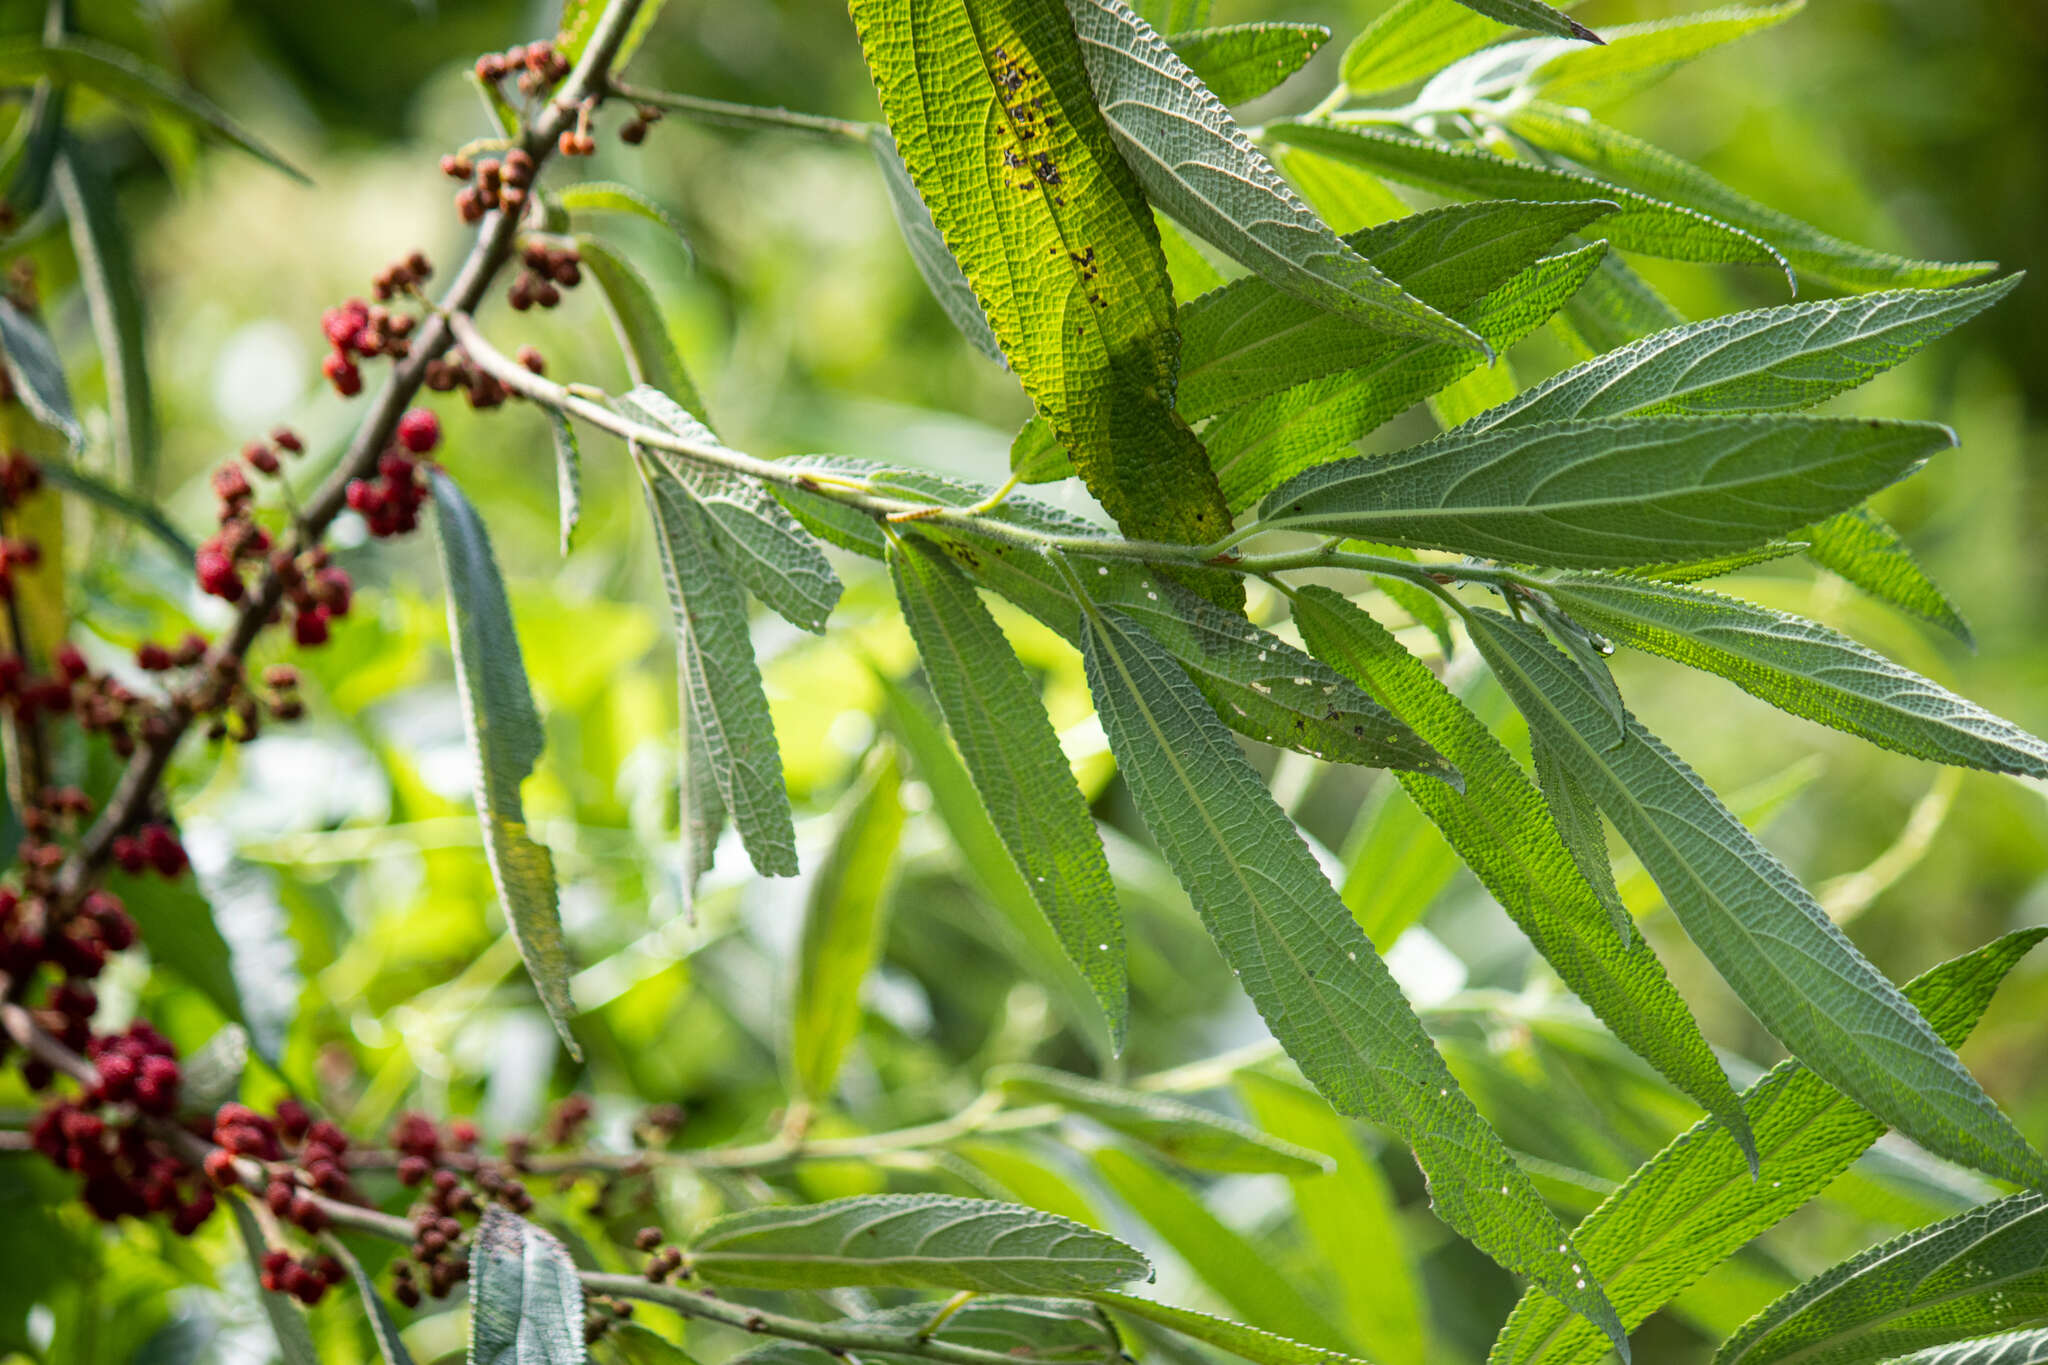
{"x": 1578, "y": 824}
{"x": 1200, "y": 167}
{"x": 1501, "y": 826}
{"x": 1250, "y": 338}
{"x": 1240, "y": 62}
{"x": 1239, "y": 1272}
{"x": 651, "y": 356}
{"x": 842, "y": 935}
{"x": 994, "y": 711}
{"x": 127, "y": 78}
{"x": 628, "y": 1343}
{"x": 1261, "y": 443}
{"x": 1533, "y": 14}
{"x": 1699, "y": 570}
{"x": 1763, "y": 932}
{"x": 525, "y": 1302}
{"x": 1643, "y": 224}
{"x": 1635, "y": 56}
{"x": 143, "y": 514}
{"x": 1607, "y": 492}
{"x": 2011, "y": 1348}
{"x": 390, "y": 1345}
{"x": 1697, "y": 1202}
{"x": 1608, "y": 155}
{"x": 287, "y": 1319}
{"x": 1034, "y": 1331}
{"x": 1323, "y": 991}
{"x": 913, "y": 1241}
{"x": 1199, "y": 1139}
{"x": 1395, "y": 866}
{"x": 506, "y": 740}
{"x": 212, "y": 1073}
{"x": 1979, "y": 1272}
{"x": 579, "y": 23}
{"x": 1802, "y": 667}
{"x": 1352, "y": 1224}
{"x": 1863, "y": 549}
{"x": 942, "y": 274}
{"x": 568, "y": 475}
{"x": 1411, "y": 39}
{"x": 1263, "y": 687}
{"x": 755, "y": 535}
{"x": 611, "y": 196}
{"x": 987, "y": 863}
{"x": 1248, "y": 1343}
{"x": 991, "y": 110}
{"x": 1772, "y": 359}
{"x": 31, "y": 363}
{"x": 1036, "y": 456}
{"x": 113, "y": 297}
{"x": 1615, "y": 307}
{"x": 724, "y": 709}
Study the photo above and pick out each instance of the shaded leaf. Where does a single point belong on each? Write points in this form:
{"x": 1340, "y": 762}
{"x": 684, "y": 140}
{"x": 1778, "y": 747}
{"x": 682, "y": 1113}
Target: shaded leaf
{"x": 287, "y": 1319}
{"x": 36, "y": 373}
{"x": 994, "y": 711}
{"x": 628, "y": 1343}
{"x": 1029, "y": 1330}
{"x": 1322, "y": 989}
{"x": 615, "y": 197}
{"x": 568, "y": 475}
{"x": 211, "y": 1074}
{"x": 1578, "y": 824}
{"x": 113, "y": 296}
{"x": 2010, "y": 1348}
{"x": 1200, "y": 167}
{"x": 525, "y": 1303}
{"x": 914, "y": 1241}
{"x": 1248, "y": 1343}
{"x": 143, "y": 514}
{"x": 1036, "y": 456}
{"x": 390, "y": 1345}
{"x": 1862, "y": 548}
{"x": 928, "y": 252}
{"x": 1697, "y": 1202}
{"x": 1763, "y": 932}
{"x": 1241, "y": 62}
{"x": 842, "y": 934}
{"x": 651, "y": 356}
{"x": 505, "y": 740}
{"x": 1197, "y": 1138}
{"x": 1607, "y": 492}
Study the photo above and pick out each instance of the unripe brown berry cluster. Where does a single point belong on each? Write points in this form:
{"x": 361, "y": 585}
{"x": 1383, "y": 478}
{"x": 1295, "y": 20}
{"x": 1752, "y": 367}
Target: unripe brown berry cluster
{"x": 634, "y": 132}
{"x": 539, "y": 65}
{"x": 495, "y": 184}
{"x": 402, "y": 276}
{"x": 456, "y": 371}
{"x": 546, "y": 267}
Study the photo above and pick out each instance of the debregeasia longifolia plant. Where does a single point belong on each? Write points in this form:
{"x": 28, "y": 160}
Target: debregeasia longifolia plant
{"x": 1052, "y": 164}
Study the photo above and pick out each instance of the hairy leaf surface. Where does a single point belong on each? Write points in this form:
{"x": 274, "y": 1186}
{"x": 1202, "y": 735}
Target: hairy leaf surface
{"x": 1607, "y": 492}
{"x": 1862, "y": 548}
{"x": 37, "y": 373}
{"x": 1697, "y": 1202}
{"x": 651, "y": 356}
{"x": 525, "y": 1302}
{"x": 1763, "y": 932}
{"x": 1245, "y": 1342}
{"x": 1038, "y": 1331}
{"x": 914, "y": 1241}
{"x": 113, "y": 296}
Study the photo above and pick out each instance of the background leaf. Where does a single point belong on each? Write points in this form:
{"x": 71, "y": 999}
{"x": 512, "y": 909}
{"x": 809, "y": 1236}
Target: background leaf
{"x": 1199, "y": 1139}
{"x": 1240, "y": 62}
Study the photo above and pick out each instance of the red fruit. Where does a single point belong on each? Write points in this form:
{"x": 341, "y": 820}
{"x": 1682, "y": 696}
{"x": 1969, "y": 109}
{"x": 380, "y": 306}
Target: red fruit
{"x": 221, "y": 1169}
{"x": 292, "y": 1118}
{"x": 217, "y": 575}
{"x": 342, "y": 373}
{"x": 277, "y": 1264}
{"x": 309, "y": 628}
{"x": 193, "y": 1213}
{"x": 230, "y": 485}
{"x": 163, "y": 850}
{"x": 419, "y": 431}
{"x": 413, "y": 1169}
{"x": 152, "y": 657}
{"x": 117, "y": 1076}
{"x": 261, "y": 457}
{"x": 70, "y": 662}
{"x": 278, "y": 1195}
{"x": 307, "y": 1214}
{"x": 156, "y": 1085}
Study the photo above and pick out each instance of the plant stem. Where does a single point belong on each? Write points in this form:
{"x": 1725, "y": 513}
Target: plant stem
{"x": 730, "y": 115}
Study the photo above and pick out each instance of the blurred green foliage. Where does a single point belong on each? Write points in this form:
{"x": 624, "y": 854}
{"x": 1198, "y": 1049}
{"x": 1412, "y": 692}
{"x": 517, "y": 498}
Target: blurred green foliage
{"x": 346, "y": 871}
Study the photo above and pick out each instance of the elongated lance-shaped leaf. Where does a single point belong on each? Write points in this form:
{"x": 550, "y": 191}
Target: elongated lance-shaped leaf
{"x": 623, "y": 200}
{"x": 1200, "y": 1139}
{"x": 1414, "y": 38}
{"x": 1770, "y": 359}
{"x": 942, "y": 274}
{"x": 287, "y": 1319}
{"x": 724, "y": 710}
{"x": 1352, "y": 1223}
{"x": 777, "y": 559}
{"x": 1697, "y": 1202}
{"x": 843, "y": 926}
{"x": 579, "y": 25}
{"x": 1609, "y": 155}
{"x": 1862, "y": 548}
{"x": 651, "y": 356}
{"x": 143, "y": 514}
{"x": 1533, "y": 14}
{"x": 31, "y": 362}
{"x": 1263, "y": 687}
{"x": 2007, "y": 1348}
{"x": 997, "y": 718}
{"x": 568, "y": 475}
{"x": 121, "y": 75}
{"x": 1803, "y": 667}
{"x": 1241, "y": 62}
{"x": 1636, "y": 56}
{"x": 1255, "y": 446}
{"x": 1501, "y": 827}
{"x": 1201, "y": 168}
{"x": 1608, "y": 492}
{"x": 700, "y": 806}
{"x": 1037, "y": 1331}
{"x": 1979, "y": 1272}
{"x": 525, "y": 1302}
{"x": 1231, "y": 1265}
{"x": 505, "y": 741}
{"x": 990, "y": 107}
{"x": 1615, "y": 307}
{"x": 1643, "y": 223}
{"x": 1251, "y": 338}
{"x": 113, "y": 296}
{"x": 1310, "y": 970}
{"x": 1578, "y": 824}
{"x": 914, "y": 1241}
{"x": 390, "y": 1345}
{"x": 1763, "y": 932}
{"x": 1240, "y": 1340}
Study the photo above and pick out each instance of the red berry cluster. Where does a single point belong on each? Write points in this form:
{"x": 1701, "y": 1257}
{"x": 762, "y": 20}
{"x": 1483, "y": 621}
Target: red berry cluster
{"x": 306, "y": 1279}
{"x": 494, "y": 184}
{"x": 390, "y": 503}
{"x": 402, "y": 277}
{"x": 127, "y": 1170}
{"x": 152, "y": 848}
{"x": 20, "y": 477}
{"x": 540, "y": 66}
{"x": 546, "y": 267}
{"x": 38, "y": 927}
{"x": 457, "y": 371}
{"x": 361, "y": 329}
